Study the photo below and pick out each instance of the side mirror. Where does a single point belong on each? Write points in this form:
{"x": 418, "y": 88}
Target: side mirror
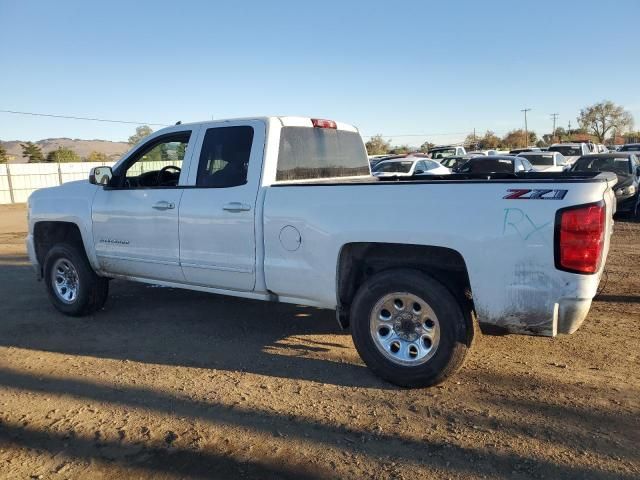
{"x": 418, "y": 172}
{"x": 100, "y": 175}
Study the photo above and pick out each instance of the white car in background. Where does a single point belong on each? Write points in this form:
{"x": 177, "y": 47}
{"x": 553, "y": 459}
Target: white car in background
{"x": 484, "y": 153}
{"x": 408, "y": 166}
{"x": 444, "y": 151}
{"x": 570, "y": 151}
{"x": 546, "y": 161}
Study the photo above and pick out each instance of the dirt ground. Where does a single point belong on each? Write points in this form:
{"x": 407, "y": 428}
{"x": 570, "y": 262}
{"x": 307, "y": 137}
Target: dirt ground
{"x": 175, "y": 384}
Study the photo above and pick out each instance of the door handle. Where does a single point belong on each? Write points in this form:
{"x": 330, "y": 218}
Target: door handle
{"x": 164, "y": 205}
{"x": 236, "y": 207}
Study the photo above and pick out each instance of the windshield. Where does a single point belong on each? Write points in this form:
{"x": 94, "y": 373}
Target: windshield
{"x": 632, "y": 147}
{"x": 442, "y": 152}
{"x": 567, "y": 150}
{"x": 490, "y": 165}
{"x": 393, "y": 167}
{"x": 621, "y": 166}
{"x": 311, "y": 153}
{"x": 539, "y": 160}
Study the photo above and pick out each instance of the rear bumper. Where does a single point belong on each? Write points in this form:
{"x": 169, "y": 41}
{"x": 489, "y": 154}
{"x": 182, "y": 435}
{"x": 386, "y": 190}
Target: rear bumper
{"x": 564, "y": 317}
{"x": 571, "y": 314}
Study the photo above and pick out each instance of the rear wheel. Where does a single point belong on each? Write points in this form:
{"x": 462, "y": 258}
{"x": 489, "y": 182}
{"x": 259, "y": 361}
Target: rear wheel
{"x": 73, "y": 287}
{"x": 408, "y": 328}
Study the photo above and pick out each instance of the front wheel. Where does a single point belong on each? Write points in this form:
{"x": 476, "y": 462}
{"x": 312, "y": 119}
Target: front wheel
{"x": 73, "y": 287}
{"x": 408, "y": 328}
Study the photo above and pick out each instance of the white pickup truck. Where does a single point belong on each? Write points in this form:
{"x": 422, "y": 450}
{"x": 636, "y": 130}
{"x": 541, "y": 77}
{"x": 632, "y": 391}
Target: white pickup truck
{"x": 285, "y": 209}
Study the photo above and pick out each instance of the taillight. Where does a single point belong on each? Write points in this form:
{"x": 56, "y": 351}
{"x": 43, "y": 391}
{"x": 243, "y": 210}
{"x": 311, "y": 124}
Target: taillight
{"x": 320, "y": 123}
{"x": 580, "y": 238}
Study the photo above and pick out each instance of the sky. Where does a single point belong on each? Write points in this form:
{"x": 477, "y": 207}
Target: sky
{"x": 409, "y": 70}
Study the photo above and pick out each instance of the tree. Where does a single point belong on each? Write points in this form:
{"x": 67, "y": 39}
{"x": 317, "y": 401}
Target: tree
{"x": 472, "y": 141}
{"x": 141, "y": 132}
{"x": 4, "y": 158}
{"x": 378, "y": 145}
{"x": 62, "y": 155}
{"x": 426, "y": 146}
{"x": 97, "y": 157}
{"x": 516, "y": 138}
{"x": 489, "y": 141}
{"x": 32, "y": 151}
{"x": 600, "y": 118}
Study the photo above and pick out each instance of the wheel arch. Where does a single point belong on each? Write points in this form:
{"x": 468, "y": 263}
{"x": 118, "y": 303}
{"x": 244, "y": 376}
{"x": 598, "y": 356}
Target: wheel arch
{"x": 359, "y": 261}
{"x": 47, "y": 234}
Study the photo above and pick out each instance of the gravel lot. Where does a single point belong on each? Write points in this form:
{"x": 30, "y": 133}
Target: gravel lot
{"x": 175, "y": 384}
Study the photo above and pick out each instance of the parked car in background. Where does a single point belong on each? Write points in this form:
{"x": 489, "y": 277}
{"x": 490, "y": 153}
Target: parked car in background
{"x": 443, "y": 151}
{"x": 374, "y": 159}
{"x": 496, "y": 164}
{"x": 477, "y": 153}
{"x": 630, "y": 147}
{"x": 626, "y": 166}
{"x": 407, "y": 166}
{"x": 516, "y": 151}
{"x": 570, "y": 151}
{"x": 545, "y": 161}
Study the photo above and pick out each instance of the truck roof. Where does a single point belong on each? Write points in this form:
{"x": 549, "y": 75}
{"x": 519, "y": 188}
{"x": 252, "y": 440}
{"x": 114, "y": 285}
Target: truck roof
{"x": 285, "y": 121}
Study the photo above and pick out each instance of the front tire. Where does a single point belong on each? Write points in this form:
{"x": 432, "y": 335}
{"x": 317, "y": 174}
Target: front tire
{"x": 408, "y": 328}
{"x": 73, "y": 287}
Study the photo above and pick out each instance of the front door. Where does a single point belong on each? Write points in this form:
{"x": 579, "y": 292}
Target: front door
{"x": 218, "y": 209}
{"x": 135, "y": 218}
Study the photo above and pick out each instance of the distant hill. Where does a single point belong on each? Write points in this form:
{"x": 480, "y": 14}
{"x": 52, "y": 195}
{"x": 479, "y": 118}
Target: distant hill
{"x": 83, "y": 148}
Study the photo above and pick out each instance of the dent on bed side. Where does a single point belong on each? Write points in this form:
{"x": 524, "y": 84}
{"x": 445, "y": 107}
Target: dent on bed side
{"x": 528, "y": 303}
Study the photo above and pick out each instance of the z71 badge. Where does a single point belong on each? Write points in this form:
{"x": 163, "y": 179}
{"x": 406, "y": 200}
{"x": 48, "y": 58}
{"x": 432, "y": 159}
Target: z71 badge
{"x": 535, "y": 194}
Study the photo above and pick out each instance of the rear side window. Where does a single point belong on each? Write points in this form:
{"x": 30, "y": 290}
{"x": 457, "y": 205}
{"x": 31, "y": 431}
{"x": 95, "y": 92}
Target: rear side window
{"x": 224, "y": 159}
{"x": 315, "y": 153}
{"x": 567, "y": 151}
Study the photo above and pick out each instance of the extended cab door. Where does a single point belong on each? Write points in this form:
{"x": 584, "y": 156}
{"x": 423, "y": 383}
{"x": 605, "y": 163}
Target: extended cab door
{"x": 135, "y": 217}
{"x": 218, "y": 209}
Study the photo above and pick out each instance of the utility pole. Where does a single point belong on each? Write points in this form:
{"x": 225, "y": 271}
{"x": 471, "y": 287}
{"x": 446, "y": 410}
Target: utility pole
{"x": 526, "y": 129}
{"x": 569, "y": 131}
{"x": 554, "y": 116}
{"x": 475, "y": 142}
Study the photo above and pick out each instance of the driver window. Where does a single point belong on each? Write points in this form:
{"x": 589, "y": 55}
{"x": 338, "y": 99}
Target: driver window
{"x": 158, "y": 164}
{"x": 224, "y": 159}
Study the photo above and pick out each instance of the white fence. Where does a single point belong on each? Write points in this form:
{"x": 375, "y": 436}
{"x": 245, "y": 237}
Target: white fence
{"x": 18, "y": 180}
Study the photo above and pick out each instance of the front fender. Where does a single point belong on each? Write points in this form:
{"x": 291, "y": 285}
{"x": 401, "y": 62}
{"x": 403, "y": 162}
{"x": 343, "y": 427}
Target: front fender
{"x": 71, "y": 203}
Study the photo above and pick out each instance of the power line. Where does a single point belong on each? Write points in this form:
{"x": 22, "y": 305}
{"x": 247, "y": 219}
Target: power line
{"x": 130, "y": 122}
{"x": 69, "y": 117}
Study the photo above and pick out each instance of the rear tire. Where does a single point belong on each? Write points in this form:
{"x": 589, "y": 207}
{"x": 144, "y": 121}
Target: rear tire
{"x": 73, "y": 287}
{"x": 409, "y": 329}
